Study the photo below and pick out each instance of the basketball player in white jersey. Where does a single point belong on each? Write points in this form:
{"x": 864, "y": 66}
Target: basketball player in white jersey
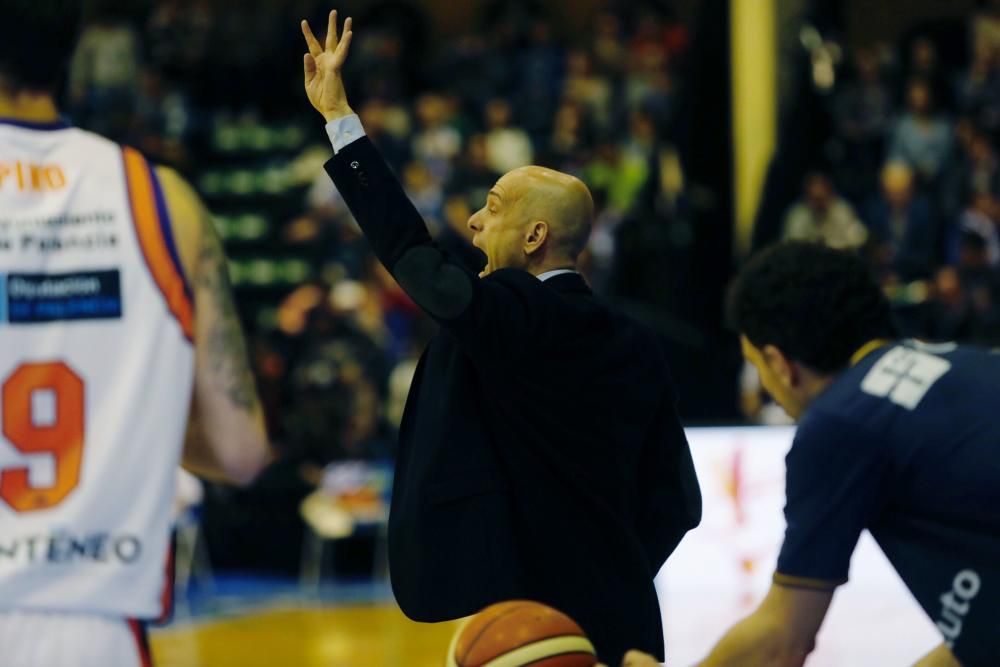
{"x": 120, "y": 357}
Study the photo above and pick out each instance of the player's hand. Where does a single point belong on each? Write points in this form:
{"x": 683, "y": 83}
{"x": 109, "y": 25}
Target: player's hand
{"x": 639, "y": 659}
{"x": 323, "y": 65}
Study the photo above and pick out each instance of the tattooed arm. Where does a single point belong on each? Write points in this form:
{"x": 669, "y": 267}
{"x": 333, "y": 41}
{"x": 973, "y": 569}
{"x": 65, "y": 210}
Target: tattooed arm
{"x": 226, "y": 437}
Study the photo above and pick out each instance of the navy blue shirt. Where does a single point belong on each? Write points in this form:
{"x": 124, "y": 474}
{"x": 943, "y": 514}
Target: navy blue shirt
{"x": 906, "y": 443}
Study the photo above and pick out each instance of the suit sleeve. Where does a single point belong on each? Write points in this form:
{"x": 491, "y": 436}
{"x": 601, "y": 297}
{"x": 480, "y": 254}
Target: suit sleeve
{"x": 489, "y": 315}
{"x": 669, "y": 495}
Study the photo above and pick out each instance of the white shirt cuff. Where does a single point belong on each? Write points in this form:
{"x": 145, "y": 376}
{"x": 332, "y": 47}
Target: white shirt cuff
{"x": 343, "y": 131}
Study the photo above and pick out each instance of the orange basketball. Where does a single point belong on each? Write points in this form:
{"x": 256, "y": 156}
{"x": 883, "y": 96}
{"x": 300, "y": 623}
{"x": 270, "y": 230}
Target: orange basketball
{"x": 520, "y": 632}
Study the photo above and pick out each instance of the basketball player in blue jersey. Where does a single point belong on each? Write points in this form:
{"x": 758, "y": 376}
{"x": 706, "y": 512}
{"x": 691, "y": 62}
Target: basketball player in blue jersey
{"x": 897, "y": 437}
{"x": 121, "y": 356}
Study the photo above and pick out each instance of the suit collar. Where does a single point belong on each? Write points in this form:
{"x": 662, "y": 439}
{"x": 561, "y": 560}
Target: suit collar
{"x": 568, "y": 282}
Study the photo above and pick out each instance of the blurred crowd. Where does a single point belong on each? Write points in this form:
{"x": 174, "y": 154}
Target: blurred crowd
{"x": 906, "y": 171}
{"x": 198, "y": 84}
{"x": 911, "y": 176}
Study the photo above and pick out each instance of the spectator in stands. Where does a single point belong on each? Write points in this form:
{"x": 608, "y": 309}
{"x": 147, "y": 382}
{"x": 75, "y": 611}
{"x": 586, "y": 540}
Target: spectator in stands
{"x": 641, "y": 139}
{"x": 863, "y": 107}
{"x": 610, "y": 54}
{"x": 425, "y": 192}
{"x": 902, "y": 226}
{"x": 950, "y": 315}
{"x": 618, "y": 173}
{"x": 162, "y": 122}
{"x": 922, "y": 137}
{"x": 980, "y": 219}
{"x": 986, "y": 26}
{"x": 381, "y": 58}
{"x": 924, "y": 63}
{"x": 468, "y": 66}
{"x": 474, "y": 176}
{"x": 375, "y": 114}
{"x": 593, "y": 93}
{"x": 647, "y": 81}
{"x": 822, "y": 215}
{"x": 975, "y": 169}
{"x": 539, "y": 79}
{"x": 979, "y": 89}
{"x": 507, "y": 146}
{"x": 570, "y": 135}
{"x": 177, "y": 35}
{"x": 862, "y": 116}
{"x": 436, "y": 143}
{"x": 982, "y": 281}
{"x": 104, "y": 74}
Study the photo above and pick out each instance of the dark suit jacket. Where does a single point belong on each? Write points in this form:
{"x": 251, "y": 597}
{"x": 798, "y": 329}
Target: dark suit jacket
{"x": 540, "y": 453}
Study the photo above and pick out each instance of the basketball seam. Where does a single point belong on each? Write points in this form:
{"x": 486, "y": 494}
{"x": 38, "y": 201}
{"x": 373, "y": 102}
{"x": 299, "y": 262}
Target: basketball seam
{"x": 555, "y": 635}
{"x": 482, "y": 630}
{"x": 556, "y": 655}
{"x": 578, "y": 644}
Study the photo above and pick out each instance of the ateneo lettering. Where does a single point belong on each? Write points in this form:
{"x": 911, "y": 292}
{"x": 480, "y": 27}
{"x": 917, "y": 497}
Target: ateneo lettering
{"x": 66, "y": 548}
{"x": 25, "y": 177}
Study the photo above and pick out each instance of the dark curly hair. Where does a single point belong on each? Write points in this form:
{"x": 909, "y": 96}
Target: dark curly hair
{"x": 37, "y": 38}
{"x": 815, "y": 304}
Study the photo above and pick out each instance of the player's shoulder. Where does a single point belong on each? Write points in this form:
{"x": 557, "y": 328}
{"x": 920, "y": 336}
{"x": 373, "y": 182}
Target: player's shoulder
{"x": 912, "y": 374}
{"x": 175, "y": 187}
{"x": 903, "y": 378}
{"x": 91, "y": 139}
{"x": 847, "y": 410}
{"x": 94, "y": 154}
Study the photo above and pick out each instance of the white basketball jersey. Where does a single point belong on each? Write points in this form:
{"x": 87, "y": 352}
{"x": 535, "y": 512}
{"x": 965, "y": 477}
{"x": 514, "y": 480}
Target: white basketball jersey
{"x": 96, "y": 369}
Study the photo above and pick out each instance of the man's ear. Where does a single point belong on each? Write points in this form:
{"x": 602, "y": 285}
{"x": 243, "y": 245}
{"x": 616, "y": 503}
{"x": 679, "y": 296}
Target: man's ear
{"x": 783, "y": 367}
{"x": 535, "y": 236}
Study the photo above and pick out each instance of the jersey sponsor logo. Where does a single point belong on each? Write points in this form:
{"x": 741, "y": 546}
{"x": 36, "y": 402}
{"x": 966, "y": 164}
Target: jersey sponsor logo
{"x": 31, "y": 298}
{"x": 63, "y": 547}
{"x": 955, "y": 605}
{"x": 27, "y": 177}
{"x": 84, "y": 232}
{"x": 904, "y": 376}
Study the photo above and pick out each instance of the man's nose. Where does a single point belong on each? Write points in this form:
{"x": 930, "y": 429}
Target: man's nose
{"x": 473, "y": 223}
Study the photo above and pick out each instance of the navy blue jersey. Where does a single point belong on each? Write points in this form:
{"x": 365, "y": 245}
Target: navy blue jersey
{"x": 906, "y": 443}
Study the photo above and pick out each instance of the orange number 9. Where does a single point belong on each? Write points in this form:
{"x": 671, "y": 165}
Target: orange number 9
{"x": 61, "y": 434}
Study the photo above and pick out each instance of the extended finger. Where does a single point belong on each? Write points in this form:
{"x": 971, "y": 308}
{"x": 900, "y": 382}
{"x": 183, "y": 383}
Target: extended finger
{"x": 314, "y": 48}
{"x": 331, "y": 31}
{"x": 345, "y": 43}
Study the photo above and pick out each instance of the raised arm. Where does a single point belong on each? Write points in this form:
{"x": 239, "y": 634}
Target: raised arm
{"x": 226, "y": 437}
{"x": 323, "y": 65}
{"x": 489, "y": 315}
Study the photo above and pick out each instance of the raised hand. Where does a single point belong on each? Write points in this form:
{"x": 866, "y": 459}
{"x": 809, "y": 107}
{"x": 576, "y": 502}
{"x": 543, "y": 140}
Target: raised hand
{"x": 323, "y": 65}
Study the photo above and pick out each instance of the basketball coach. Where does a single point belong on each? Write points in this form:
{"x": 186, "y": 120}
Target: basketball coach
{"x": 540, "y": 454}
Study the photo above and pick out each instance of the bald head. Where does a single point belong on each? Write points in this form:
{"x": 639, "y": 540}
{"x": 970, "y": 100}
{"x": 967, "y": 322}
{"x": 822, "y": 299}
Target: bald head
{"x": 562, "y": 201}
{"x": 535, "y": 219}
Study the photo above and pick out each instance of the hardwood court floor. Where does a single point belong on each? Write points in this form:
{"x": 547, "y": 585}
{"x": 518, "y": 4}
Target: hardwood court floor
{"x": 352, "y": 636}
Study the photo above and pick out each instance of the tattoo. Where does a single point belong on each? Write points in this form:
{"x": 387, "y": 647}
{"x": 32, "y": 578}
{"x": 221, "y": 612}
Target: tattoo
{"x": 225, "y": 345}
